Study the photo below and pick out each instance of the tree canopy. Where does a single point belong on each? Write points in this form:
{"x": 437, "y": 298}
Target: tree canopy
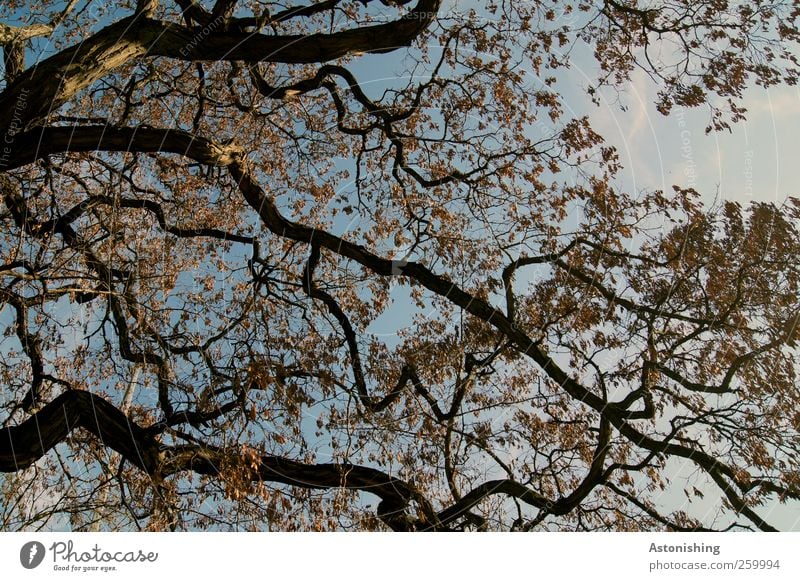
{"x": 208, "y": 214}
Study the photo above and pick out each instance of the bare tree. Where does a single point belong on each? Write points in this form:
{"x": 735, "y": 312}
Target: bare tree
{"x": 206, "y": 215}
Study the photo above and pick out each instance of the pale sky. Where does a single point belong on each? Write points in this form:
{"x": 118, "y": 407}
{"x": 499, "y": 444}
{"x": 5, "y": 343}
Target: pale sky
{"x": 755, "y": 161}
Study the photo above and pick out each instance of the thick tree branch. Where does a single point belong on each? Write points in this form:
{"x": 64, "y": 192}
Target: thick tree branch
{"x": 152, "y": 140}
{"x": 24, "y": 444}
{"x": 43, "y": 89}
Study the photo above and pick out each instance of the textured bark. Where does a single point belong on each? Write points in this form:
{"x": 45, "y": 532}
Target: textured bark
{"x": 22, "y": 445}
{"x": 44, "y": 88}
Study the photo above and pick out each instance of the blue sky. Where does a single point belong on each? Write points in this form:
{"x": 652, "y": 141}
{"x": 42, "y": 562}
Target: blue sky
{"x": 755, "y": 161}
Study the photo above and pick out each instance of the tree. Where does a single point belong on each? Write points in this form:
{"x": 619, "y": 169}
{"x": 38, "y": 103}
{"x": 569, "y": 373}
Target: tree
{"x": 206, "y": 213}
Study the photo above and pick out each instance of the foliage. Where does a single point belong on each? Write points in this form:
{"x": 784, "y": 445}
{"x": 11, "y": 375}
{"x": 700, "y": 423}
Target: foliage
{"x": 207, "y": 217}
